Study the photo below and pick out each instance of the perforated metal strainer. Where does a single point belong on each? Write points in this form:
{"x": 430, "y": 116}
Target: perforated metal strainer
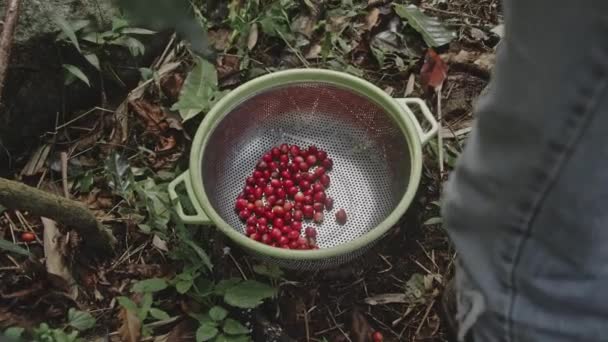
{"x": 374, "y": 140}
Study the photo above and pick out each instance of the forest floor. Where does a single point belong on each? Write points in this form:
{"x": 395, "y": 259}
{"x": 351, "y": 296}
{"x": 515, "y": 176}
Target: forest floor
{"x": 120, "y": 158}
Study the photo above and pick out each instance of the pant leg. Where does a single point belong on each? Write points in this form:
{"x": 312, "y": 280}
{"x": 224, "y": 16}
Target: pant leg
{"x": 527, "y": 205}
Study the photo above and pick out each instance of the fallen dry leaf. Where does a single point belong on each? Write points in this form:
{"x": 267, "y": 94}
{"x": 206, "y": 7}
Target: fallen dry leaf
{"x": 220, "y": 38}
{"x": 486, "y": 61}
{"x": 433, "y": 72}
{"x": 165, "y": 143}
{"x": 387, "y": 298}
{"x": 171, "y": 85}
{"x": 313, "y": 51}
{"x": 152, "y": 115}
{"x": 361, "y": 330}
{"x": 54, "y": 246}
{"x": 37, "y": 162}
{"x": 409, "y": 88}
{"x": 371, "y": 20}
{"x": 303, "y": 25}
{"x": 227, "y": 65}
{"x": 252, "y": 40}
{"x": 130, "y": 328}
{"x": 160, "y": 243}
{"x": 183, "y": 331}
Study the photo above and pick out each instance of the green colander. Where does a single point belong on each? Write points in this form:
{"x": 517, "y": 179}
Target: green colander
{"x": 374, "y": 140}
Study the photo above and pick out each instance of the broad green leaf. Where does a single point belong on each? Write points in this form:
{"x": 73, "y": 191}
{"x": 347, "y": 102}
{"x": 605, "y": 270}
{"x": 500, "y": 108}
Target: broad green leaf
{"x": 232, "y": 338}
{"x": 270, "y": 270}
{"x": 146, "y": 305}
{"x": 159, "y": 314}
{"x": 217, "y": 313}
{"x": 80, "y": 320}
{"x": 432, "y": 221}
{"x": 74, "y": 70}
{"x": 93, "y": 37}
{"x": 67, "y": 29}
{"x": 150, "y": 285}
{"x": 92, "y": 58}
{"x": 199, "y": 92}
{"x": 206, "y": 332}
{"x": 86, "y": 182}
{"x": 248, "y": 294}
{"x": 432, "y": 30}
{"x": 135, "y": 46}
{"x": 204, "y": 287}
{"x": 13, "y": 248}
{"x": 119, "y": 23}
{"x": 201, "y": 253}
{"x": 234, "y": 327}
{"x": 127, "y": 303}
{"x": 13, "y": 333}
{"x": 224, "y": 284}
{"x": 182, "y": 286}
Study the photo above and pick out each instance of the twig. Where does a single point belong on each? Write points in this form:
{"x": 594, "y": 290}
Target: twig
{"x": 439, "y": 136}
{"x": 64, "y": 174}
{"x": 457, "y": 14}
{"x": 422, "y": 266}
{"x": 427, "y": 254}
{"x": 426, "y": 314}
{"x": 11, "y": 224}
{"x": 6, "y": 39}
{"x": 306, "y": 325}
{"x": 237, "y": 266}
{"x": 337, "y": 326}
{"x": 390, "y": 266}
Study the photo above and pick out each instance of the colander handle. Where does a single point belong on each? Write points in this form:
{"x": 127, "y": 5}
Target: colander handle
{"x": 200, "y": 217}
{"x": 424, "y": 136}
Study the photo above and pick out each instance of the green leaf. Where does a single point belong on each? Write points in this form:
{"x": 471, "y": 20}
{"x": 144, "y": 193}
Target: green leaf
{"x": 80, "y": 320}
{"x": 146, "y": 305}
{"x": 67, "y": 29}
{"x": 224, "y": 284}
{"x": 150, "y": 285}
{"x": 94, "y": 60}
{"x": 182, "y": 286}
{"x": 248, "y": 294}
{"x": 127, "y": 303}
{"x": 201, "y": 253}
{"x": 135, "y": 46}
{"x": 234, "y": 327}
{"x": 233, "y": 338}
{"x": 13, "y": 333}
{"x": 432, "y": 221}
{"x": 86, "y": 182}
{"x": 13, "y": 248}
{"x": 74, "y": 70}
{"x": 146, "y": 73}
{"x": 199, "y": 92}
{"x": 272, "y": 271}
{"x": 159, "y": 314}
{"x": 218, "y": 313}
{"x": 206, "y": 332}
{"x": 432, "y": 30}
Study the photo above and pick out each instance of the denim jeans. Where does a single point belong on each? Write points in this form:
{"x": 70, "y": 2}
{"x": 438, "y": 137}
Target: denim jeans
{"x": 527, "y": 205}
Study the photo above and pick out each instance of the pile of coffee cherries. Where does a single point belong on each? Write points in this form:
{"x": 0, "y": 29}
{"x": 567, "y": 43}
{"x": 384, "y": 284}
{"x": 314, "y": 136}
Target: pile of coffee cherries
{"x": 287, "y": 188}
